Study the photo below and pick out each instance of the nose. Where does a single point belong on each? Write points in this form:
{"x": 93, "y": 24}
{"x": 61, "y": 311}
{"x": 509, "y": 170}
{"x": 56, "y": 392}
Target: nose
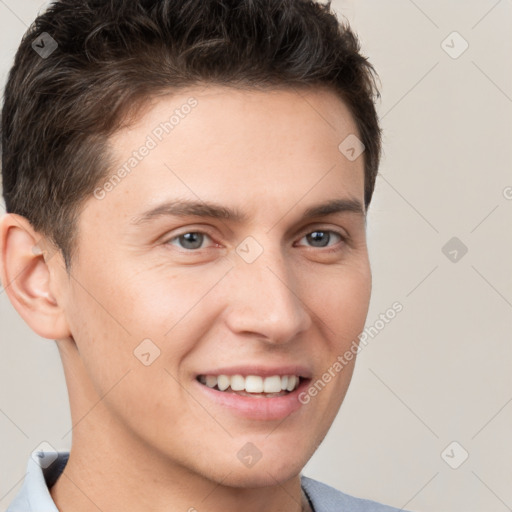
{"x": 264, "y": 299}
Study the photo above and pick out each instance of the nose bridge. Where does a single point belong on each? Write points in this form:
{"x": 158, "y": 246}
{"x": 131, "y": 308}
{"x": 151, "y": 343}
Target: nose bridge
{"x": 264, "y": 297}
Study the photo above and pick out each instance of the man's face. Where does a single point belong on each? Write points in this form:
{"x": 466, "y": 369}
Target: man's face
{"x": 271, "y": 293}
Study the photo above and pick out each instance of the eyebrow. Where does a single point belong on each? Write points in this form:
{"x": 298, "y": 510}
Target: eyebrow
{"x": 187, "y": 208}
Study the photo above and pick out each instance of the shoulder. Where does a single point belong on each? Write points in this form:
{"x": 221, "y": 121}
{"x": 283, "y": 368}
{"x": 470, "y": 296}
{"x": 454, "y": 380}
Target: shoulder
{"x": 328, "y": 499}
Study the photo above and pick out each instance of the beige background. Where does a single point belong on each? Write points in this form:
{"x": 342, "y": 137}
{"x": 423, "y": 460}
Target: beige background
{"x": 440, "y": 371}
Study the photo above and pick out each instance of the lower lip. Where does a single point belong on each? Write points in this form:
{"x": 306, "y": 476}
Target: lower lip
{"x": 257, "y": 408}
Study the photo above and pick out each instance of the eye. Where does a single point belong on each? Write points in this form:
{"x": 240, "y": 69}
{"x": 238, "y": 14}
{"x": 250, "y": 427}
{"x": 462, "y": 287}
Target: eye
{"x": 322, "y": 237}
{"x": 190, "y": 241}
{"x": 194, "y": 240}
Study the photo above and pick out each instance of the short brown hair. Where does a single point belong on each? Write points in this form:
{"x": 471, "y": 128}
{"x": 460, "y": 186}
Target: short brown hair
{"x": 60, "y": 108}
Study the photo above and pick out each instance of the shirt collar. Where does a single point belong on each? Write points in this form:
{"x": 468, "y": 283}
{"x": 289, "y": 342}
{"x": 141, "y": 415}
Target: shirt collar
{"x": 43, "y": 469}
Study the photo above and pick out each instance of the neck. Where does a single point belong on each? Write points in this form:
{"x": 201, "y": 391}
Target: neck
{"x": 109, "y": 475}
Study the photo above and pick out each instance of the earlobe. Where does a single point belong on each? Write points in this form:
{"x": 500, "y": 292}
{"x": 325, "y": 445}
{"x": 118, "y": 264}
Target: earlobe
{"x": 26, "y": 278}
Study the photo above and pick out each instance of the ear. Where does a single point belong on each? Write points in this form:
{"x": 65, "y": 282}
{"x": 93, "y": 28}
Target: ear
{"x": 27, "y": 279}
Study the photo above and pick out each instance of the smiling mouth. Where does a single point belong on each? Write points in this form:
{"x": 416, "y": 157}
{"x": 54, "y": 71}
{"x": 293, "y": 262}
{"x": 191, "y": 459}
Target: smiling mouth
{"x": 252, "y": 385}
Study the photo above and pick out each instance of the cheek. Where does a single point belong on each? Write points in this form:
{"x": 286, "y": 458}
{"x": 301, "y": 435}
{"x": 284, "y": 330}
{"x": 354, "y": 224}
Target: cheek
{"x": 113, "y": 313}
{"x": 124, "y": 350}
{"x": 164, "y": 302}
{"x": 101, "y": 334}
{"x": 342, "y": 307}
{"x": 341, "y": 300}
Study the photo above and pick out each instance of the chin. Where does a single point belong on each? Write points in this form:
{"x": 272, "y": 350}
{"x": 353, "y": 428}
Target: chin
{"x": 280, "y": 465}
{"x": 277, "y": 459}
{"x": 262, "y": 475}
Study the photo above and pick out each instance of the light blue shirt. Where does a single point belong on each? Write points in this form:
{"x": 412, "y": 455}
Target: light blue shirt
{"x": 44, "y": 468}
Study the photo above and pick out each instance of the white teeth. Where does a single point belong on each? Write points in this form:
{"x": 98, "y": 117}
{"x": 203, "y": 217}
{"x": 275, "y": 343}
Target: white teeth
{"x": 272, "y": 384}
{"x": 223, "y": 382}
{"x": 211, "y": 381}
{"x": 292, "y": 382}
{"x": 237, "y": 383}
{"x": 252, "y": 383}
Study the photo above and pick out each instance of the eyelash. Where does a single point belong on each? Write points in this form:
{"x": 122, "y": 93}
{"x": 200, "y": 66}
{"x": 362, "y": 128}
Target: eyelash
{"x": 343, "y": 238}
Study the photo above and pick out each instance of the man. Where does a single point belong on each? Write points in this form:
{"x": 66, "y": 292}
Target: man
{"x": 187, "y": 184}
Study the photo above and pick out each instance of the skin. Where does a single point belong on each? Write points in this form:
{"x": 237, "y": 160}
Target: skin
{"x": 272, "y": 155}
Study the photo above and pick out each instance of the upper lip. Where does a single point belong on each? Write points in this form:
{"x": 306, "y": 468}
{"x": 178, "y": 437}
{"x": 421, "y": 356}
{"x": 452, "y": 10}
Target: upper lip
{"x": 260, "y": 370}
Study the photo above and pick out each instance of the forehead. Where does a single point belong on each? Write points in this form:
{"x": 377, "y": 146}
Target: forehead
{"x": 235, "y": 147}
